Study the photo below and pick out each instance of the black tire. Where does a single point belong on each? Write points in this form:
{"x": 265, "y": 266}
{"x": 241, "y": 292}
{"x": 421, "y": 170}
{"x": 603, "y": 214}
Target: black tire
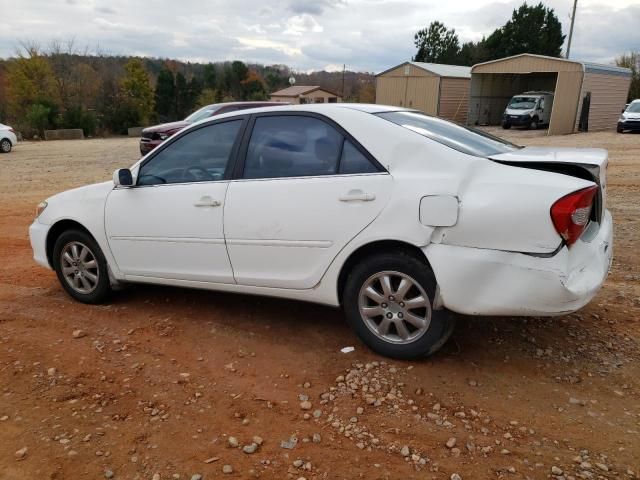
{"x": 534, "y": 124}
{"x": 619, "y": 129}
{"x": 5, "y": 145}
{"x": 102, "y": 288}
{"x": 442, "y": 321}
{"x": 506, "y": 126}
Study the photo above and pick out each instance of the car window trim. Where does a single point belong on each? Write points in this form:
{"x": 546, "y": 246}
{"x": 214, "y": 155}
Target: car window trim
{"x": 244, "y": 146}
{"x": 233, "y": 156}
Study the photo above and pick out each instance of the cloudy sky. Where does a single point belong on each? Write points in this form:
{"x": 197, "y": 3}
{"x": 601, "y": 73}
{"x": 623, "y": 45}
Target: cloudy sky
{"x": 367, "y": 35}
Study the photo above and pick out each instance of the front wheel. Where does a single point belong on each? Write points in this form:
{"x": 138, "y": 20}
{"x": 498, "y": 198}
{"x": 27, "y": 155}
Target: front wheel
{"x": 506, "y": 126}
{"x": 5, "y": 145}
{"x": 535, "y": 123}
{"x": 388, "y": 301}
{"x": 81, "y": 267}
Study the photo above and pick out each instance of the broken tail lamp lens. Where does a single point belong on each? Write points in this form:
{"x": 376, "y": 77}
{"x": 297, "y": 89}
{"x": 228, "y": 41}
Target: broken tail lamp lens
{"x": 570, "y": 214}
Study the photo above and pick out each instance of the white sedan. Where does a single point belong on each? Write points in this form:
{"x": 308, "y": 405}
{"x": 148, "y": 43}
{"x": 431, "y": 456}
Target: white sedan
{"x": 401, "y": 219}
{"x": 8, "y": 138}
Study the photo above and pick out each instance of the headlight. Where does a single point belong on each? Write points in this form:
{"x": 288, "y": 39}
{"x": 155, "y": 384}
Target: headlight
{"x": 622, "y": 118}
{"x": 40, "y": 208}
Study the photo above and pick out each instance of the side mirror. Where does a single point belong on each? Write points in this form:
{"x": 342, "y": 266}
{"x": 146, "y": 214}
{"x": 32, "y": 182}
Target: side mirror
{"x": 123, "y": 178}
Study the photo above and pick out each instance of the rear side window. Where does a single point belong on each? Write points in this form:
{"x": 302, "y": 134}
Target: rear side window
{"x": 354, "y": 161}
{"x": 459, "y": 137}
{"x": 299, "y": 146}
{"x": 292, "y": 146}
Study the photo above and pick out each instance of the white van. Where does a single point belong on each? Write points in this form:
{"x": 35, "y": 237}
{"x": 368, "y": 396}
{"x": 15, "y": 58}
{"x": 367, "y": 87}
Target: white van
{"x": 529, "y": 109}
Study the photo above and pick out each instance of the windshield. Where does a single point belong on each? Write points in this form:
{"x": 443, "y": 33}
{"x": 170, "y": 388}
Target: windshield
{"x": 633, "y": 107}
{"x": 459, "y": 137}
{"x": 522, "y": 103}
{"x": 204, "y": 112}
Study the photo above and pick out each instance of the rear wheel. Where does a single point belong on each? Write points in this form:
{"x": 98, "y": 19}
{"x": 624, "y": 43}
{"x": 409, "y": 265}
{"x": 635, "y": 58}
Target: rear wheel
{"x": 81, "y": 267}
{"x": 5, "y": 145}
{"x": 388, "y": 301}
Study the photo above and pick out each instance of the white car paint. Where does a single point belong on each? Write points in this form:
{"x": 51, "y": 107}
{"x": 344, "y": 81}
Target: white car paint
{"x": 7, "y": 134}
{"x": 290, "y": 237}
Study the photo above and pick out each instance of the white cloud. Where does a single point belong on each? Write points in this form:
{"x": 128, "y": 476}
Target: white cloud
{"x": 300, "y": 24}
{"x": 369, "y": 35}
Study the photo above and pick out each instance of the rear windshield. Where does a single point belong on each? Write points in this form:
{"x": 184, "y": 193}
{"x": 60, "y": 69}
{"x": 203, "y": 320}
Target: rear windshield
{"x": 459, "y": 137}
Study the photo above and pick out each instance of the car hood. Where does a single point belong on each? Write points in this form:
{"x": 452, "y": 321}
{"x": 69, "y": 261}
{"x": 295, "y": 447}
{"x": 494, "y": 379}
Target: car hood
{"x": 166, "y": 127}
{"x": 64, "y": 204}
{"x": 80, "y": 194}
{"x": 631, "y": 115}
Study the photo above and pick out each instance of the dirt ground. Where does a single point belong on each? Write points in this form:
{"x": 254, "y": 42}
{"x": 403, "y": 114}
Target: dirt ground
{"x": 160, "y": 380}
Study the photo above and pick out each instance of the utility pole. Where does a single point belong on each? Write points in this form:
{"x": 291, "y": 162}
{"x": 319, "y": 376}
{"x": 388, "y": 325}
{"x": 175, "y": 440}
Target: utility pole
{"x": 573, "y": 19}
{"x": 344, "y": 67}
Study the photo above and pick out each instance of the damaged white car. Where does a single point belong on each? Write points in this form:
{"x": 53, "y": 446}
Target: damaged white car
{"x": 400, "y": 218}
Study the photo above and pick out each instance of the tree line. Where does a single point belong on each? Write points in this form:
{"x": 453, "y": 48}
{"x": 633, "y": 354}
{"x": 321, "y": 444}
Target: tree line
{"x": 531, "y": 29}
{"x": 63, "y": 87}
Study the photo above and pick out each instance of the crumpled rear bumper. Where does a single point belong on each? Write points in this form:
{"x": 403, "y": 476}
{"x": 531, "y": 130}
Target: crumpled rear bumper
{"x": 478, "y": 281}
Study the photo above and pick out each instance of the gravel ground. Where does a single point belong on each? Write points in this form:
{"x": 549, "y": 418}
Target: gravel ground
{"x": 167, "y": 383}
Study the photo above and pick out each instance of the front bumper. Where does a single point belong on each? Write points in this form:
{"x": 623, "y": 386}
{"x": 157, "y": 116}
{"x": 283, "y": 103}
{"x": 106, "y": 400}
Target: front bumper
{"x": 516, "y": 120}
{"x": 477, "y": 281}
{"x": 38, "y": 237}
{"x": 633, "y": 126}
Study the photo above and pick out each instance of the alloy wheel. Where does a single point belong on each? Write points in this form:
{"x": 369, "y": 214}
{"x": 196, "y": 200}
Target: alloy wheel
{"x": 394, "y": 307}
{"x": 79, "y": 267}
{"x": 5, "y": 146}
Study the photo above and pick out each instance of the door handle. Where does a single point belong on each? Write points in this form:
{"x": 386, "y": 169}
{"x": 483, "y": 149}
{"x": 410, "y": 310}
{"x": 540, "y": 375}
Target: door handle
{"x": 207, "y": 201}
{"x": 357, "y": 196}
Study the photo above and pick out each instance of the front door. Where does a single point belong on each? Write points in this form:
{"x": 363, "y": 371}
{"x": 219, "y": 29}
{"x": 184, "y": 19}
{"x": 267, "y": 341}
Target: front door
{"x": 170, "y": 225}
{"x": 306, "y": 190}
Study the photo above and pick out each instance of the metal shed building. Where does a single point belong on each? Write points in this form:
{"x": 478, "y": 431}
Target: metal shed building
{"x": 588, "y": 96}
{"x": 432, "y": 88}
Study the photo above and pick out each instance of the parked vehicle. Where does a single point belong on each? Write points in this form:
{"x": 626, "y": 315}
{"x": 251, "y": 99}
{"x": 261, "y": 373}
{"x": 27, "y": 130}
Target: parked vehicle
{"x": 630, "y": 118}
{"x": 401, "y": 218}
{"x": 530, "y": 110}
{"x": 8, "y": 138}
{"x": 154, "y": 136}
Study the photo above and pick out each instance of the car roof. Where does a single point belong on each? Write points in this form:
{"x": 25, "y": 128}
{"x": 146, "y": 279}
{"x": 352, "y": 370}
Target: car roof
{"x": 312, "y": 108}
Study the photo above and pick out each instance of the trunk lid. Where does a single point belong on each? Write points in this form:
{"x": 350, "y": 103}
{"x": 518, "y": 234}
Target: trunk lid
{"x": 586, "y": 163}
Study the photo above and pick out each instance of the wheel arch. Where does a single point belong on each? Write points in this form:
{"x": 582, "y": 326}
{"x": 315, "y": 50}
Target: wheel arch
{"x": 58, "y": 229}
{"x": 372, "y": 248}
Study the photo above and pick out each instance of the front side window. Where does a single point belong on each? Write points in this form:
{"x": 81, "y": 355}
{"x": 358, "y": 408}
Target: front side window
{"x": 464, "y": 139}
{"x": 201, "y": 155}
{"x": 292, "y": 146}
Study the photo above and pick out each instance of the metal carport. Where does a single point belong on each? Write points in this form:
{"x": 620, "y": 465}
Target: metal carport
{"x": 494, "y": 83}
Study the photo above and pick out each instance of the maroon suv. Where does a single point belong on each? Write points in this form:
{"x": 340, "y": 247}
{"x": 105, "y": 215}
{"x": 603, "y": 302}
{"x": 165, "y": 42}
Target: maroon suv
{"x": 154, "y": 136}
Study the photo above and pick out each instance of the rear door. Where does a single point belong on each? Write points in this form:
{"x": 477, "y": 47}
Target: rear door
{"x": 304, "y": 190}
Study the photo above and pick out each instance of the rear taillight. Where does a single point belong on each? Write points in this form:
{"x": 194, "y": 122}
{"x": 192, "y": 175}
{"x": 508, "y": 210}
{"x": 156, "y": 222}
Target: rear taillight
{"x": 571, "y": 214}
